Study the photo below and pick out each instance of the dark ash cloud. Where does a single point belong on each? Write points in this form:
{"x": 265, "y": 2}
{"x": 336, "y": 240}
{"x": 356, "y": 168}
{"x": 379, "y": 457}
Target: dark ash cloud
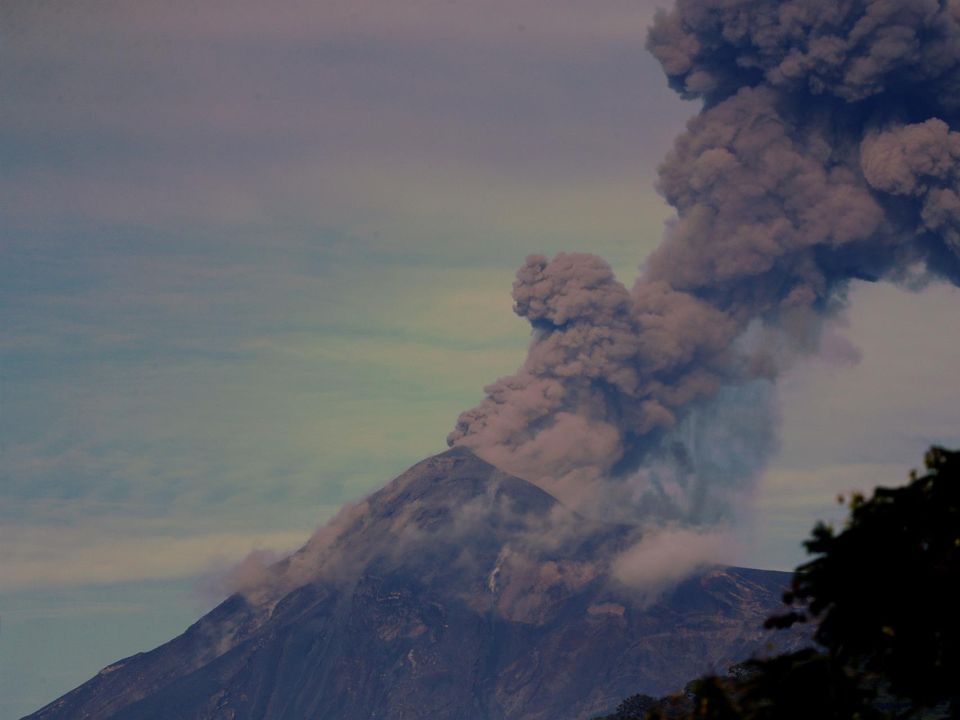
{"x": 827, "y": 150}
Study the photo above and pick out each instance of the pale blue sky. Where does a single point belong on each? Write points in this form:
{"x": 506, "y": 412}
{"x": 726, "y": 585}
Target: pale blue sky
{"x": 254, "y": 260}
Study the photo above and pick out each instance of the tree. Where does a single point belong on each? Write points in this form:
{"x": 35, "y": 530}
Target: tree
{"x": 634, "y": 707}
{"x": 885, "y": 594}
{"x": 803, "y": 685}
{"x": 886, "y": 590}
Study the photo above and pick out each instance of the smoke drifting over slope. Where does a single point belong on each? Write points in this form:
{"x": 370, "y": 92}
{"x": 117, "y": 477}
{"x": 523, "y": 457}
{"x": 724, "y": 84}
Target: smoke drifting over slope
{"x": 826, "y": 150}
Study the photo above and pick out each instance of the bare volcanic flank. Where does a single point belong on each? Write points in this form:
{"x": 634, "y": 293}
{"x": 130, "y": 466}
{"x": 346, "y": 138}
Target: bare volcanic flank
{"x": 457, "y": 592}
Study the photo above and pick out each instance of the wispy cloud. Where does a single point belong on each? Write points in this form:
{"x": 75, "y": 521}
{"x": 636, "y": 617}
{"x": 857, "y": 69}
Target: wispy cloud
{"x": 40, "y": 557}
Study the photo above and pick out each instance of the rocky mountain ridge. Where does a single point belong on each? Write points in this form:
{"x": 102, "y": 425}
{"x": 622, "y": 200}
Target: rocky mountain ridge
{"x": 457, "y": 592}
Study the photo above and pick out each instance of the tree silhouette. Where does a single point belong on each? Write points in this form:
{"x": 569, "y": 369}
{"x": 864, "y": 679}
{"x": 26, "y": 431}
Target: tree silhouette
{"x": 885, "y": 594}
{"x": 886, "y": 590}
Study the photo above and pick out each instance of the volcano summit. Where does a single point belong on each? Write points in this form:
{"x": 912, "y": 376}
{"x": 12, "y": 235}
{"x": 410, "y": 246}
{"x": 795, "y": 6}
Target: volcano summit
{"x": 456, "y": 592}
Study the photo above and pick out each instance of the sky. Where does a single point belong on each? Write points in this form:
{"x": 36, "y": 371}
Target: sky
{"x": 255, "y": 259}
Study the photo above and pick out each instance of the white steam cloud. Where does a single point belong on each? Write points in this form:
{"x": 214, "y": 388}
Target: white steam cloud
{"x": 667, "y": 555}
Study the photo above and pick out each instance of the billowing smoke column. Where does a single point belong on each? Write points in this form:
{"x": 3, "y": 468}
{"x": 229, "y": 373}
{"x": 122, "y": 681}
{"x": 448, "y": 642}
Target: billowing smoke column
{"x": 827, "y": 150}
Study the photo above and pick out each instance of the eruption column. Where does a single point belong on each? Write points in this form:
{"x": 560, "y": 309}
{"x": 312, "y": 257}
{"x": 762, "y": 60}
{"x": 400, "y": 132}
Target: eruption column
{"x": 827, "y": 149}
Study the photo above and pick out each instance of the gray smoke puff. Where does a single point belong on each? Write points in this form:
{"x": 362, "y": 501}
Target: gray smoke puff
{"x": 921, "y": 161}
{"x": 755, "y": 195}
{"x": 553, "y": 415}
{"x": 604, "y": 363}
{"x": 851, "y": 49}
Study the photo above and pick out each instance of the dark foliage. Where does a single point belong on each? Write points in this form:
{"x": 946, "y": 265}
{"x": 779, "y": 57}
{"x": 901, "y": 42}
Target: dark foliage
{"x": 886, "y": 590}
{"x": 634, "y": 707}
{"x": 793, "y": 686}
{"x": 885, "y": 594}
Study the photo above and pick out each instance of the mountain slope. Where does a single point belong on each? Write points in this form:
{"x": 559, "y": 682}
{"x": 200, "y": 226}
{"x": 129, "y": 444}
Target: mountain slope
{"x": 456, "y": 592}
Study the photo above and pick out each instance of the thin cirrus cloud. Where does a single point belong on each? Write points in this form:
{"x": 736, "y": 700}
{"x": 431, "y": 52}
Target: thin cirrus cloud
{"x": 58, "y": 557}
{"x": 148, "y": 104}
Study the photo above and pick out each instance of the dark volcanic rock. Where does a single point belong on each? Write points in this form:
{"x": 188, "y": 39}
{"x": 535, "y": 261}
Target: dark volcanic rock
{"x": 457, "y": 592}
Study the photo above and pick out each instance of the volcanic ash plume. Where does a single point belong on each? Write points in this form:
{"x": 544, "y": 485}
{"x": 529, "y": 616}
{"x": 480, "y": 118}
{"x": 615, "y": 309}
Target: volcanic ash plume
{"x": 827, "y": 150}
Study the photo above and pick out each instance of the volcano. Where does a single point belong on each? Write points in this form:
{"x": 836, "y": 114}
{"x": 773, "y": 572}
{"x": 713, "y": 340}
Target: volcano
{"x": 457, "y": 592}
